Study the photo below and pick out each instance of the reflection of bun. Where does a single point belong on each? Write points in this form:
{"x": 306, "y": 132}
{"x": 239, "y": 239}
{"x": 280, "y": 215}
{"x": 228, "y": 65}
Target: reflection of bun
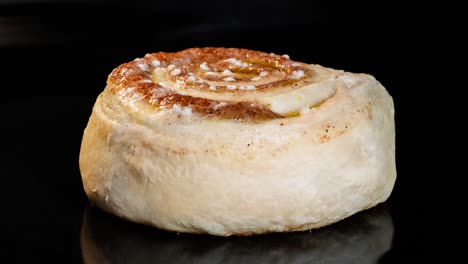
{"x": 363, "y": 238}
{"x": 231, "y": 141}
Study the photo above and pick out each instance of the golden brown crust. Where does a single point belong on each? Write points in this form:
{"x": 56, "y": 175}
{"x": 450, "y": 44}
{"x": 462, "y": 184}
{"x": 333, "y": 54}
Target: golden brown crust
{"x": 199, "y": 68}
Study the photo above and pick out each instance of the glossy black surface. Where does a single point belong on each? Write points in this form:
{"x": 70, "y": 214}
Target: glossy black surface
{"x": 363, "y": 238}
{"x": 55, "y": 62}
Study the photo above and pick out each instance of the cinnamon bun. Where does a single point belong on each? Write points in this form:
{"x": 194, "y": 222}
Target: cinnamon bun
{"x": 230, "y": 141}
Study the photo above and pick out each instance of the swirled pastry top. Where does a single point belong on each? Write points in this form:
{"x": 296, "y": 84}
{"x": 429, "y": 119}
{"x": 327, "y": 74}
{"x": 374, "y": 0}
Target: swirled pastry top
{"x": 226, "y": 83}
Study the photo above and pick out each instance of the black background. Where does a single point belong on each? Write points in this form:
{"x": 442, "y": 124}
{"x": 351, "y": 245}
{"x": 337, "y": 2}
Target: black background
{"x": 55, "y": 58}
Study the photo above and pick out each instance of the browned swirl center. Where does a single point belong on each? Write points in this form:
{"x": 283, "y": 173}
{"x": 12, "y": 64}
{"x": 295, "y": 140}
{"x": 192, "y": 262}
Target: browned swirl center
{"x": 167, "y": 79}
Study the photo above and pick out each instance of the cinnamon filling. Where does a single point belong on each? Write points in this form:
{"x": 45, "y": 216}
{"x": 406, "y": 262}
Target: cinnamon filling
{"x": 213, "y": 70}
